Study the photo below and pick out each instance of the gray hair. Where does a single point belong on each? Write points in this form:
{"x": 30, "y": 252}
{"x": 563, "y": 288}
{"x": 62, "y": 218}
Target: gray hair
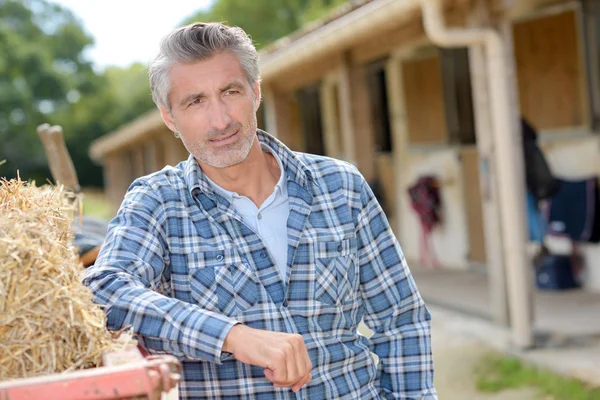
{"x": 199, "y": 42}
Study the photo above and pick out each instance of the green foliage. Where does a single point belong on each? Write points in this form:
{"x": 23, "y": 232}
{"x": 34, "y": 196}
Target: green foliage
{"x": 266, "y": 20}
{"x": 45, "y": 77}
{"x": 498, "y": 373}
{"x": 40, "y": 65}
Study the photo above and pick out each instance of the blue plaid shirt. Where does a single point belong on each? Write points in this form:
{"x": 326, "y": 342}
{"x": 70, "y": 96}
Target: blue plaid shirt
{"x": 180, "y": 267}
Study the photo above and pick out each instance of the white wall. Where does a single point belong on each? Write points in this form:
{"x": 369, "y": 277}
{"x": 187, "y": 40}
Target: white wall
{"x": 576, "y": 159}
{"x": 450, "y": 240}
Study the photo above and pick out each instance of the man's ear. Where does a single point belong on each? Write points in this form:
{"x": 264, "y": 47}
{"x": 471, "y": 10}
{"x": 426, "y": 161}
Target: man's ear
{"x": 167, "y": 117}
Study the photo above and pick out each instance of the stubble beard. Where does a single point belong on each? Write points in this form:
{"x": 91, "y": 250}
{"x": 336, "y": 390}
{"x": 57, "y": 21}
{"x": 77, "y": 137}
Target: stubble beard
{"x": 228, "y": 155}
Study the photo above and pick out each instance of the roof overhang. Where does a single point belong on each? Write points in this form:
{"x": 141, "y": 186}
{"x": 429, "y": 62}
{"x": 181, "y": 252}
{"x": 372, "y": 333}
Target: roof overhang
{"x": 338, "y": 35}
{"x": 127, "y": 135}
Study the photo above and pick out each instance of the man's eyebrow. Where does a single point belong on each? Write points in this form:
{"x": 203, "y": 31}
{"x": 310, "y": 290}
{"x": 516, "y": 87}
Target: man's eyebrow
{"x": 191, "y": 97}
{"x": 232, "y": 85}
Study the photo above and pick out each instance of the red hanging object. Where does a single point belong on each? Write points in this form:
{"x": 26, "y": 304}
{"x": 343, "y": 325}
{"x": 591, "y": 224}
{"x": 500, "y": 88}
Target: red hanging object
{"x": 426, "y": 201}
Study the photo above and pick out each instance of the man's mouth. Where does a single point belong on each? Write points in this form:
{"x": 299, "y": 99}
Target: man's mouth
{"x": 225, "y": 138}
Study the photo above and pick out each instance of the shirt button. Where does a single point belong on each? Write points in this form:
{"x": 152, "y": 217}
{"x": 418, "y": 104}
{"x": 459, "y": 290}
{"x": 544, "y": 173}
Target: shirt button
{"x": 219, "y": 258}
{"x": 263, "y": 255}
{"x": 285, "y": 303}
{"x": 340, "y": 248}
{"x": 259, "y": 216}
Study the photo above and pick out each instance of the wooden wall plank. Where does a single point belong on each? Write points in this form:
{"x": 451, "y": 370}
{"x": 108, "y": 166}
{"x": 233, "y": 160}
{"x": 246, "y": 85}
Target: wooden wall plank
{"x": 289, "y": 130}
{"x": 424, "y": 97}
{"x": 549, "y": 71}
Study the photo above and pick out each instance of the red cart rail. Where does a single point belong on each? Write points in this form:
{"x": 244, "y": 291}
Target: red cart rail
{"x": 145, "y": 379}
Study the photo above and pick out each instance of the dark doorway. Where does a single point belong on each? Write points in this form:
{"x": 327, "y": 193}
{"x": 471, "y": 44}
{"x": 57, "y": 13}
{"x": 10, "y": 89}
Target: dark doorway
{"x": 309, "y": 101}
{"x": 380, "y": 115}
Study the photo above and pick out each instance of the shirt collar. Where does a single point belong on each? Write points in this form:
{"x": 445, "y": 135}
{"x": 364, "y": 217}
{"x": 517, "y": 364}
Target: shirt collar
{"x": 293, "y": 169}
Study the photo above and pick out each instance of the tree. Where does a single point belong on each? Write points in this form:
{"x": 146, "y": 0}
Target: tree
{"x": 44, "y": 77}
{"x": 41, "y": 73}
{"x": 266, "y": 20}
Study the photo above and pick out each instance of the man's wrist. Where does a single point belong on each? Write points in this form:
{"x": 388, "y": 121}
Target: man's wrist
{"x": 231, "y": 338}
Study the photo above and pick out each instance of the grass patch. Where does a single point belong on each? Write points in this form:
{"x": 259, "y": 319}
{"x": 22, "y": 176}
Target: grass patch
{"x": 497, "y": 373}
{"x": 96, "y": 204}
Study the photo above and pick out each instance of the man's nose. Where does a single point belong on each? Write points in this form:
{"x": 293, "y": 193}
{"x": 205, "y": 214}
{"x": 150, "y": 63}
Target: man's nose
{"x": 219, "y": 115}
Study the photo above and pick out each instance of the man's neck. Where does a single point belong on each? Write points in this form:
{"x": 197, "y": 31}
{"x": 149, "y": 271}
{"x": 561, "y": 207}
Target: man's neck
{"x": 254, "y": 178}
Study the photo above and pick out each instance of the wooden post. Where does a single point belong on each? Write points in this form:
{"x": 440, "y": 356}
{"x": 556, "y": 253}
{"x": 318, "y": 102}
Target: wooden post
{"x": 488, "y": 186}
{"x": 288, "y": 120}
{"x": 331, "y": 126}
{"x": 519, "y": 282}
{"x": 354, "y": 81}
{"x": 150, "y": 155}
{"x": 399, "y": 127}
{"x": 270, "y": 106}
{"x": 345, "y": 104}
{"x": 116, "y": 177}
{"x": 137, "y": 160}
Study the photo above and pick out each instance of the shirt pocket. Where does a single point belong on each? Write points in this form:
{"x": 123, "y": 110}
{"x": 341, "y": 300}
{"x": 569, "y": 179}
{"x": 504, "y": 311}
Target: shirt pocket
{"x": 221, "y": 282}
{"x": 336, "y": 271}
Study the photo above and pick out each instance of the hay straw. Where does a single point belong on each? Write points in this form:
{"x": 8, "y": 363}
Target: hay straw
{"x": 48, "y": 322}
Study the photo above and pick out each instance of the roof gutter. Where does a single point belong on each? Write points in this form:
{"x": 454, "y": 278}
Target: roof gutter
{"x": 509, "y": 162}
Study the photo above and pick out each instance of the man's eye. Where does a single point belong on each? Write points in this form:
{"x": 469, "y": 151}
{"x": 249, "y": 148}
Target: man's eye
{"x": 196, "y": 101}
{"x": 232, "y": 92}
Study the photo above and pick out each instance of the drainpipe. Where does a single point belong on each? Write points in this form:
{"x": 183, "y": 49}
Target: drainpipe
{"x": 509, "y": 154}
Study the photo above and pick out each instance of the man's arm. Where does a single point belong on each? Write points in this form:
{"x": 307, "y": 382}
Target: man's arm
{"x": 126, "y": 276}
{"x": 394, "y": 309}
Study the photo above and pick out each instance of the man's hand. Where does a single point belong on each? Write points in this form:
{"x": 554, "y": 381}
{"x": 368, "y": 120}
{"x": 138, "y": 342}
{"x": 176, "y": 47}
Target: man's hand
{"x": 283, "y": 355}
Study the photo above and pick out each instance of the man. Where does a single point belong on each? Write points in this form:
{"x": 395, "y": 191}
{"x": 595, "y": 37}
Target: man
{"x": 254, "y": 264}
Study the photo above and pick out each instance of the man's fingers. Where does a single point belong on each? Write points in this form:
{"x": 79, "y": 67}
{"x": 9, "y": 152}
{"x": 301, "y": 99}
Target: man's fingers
{"x": 295, "y": 360}
{"x": 300, "y": 357}
{"x": 298, "y": 385}
{"x": 283, "y": 356}
{"x": 306, "y": 376}
{"x": 289, "y": 363}
{"x": 286, "y": 372}
{"x": 270, "y": 375}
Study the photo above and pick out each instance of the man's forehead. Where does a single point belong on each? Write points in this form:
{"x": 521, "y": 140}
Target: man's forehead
{"x": 206, "y": 76}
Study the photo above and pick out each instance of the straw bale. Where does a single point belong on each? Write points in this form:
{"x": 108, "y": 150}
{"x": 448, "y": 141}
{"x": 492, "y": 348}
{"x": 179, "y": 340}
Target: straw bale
{"x": 48, "y": 322}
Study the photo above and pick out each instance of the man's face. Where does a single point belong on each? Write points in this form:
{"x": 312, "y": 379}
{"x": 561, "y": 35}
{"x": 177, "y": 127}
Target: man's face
{"x": 213, "y": 108}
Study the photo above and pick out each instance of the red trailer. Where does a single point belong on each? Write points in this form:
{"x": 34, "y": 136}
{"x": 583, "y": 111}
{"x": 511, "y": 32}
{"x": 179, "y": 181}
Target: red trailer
{"x": 126, "y": 375}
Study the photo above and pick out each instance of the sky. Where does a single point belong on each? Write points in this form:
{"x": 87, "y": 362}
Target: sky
{"x": 128, "y": 31}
